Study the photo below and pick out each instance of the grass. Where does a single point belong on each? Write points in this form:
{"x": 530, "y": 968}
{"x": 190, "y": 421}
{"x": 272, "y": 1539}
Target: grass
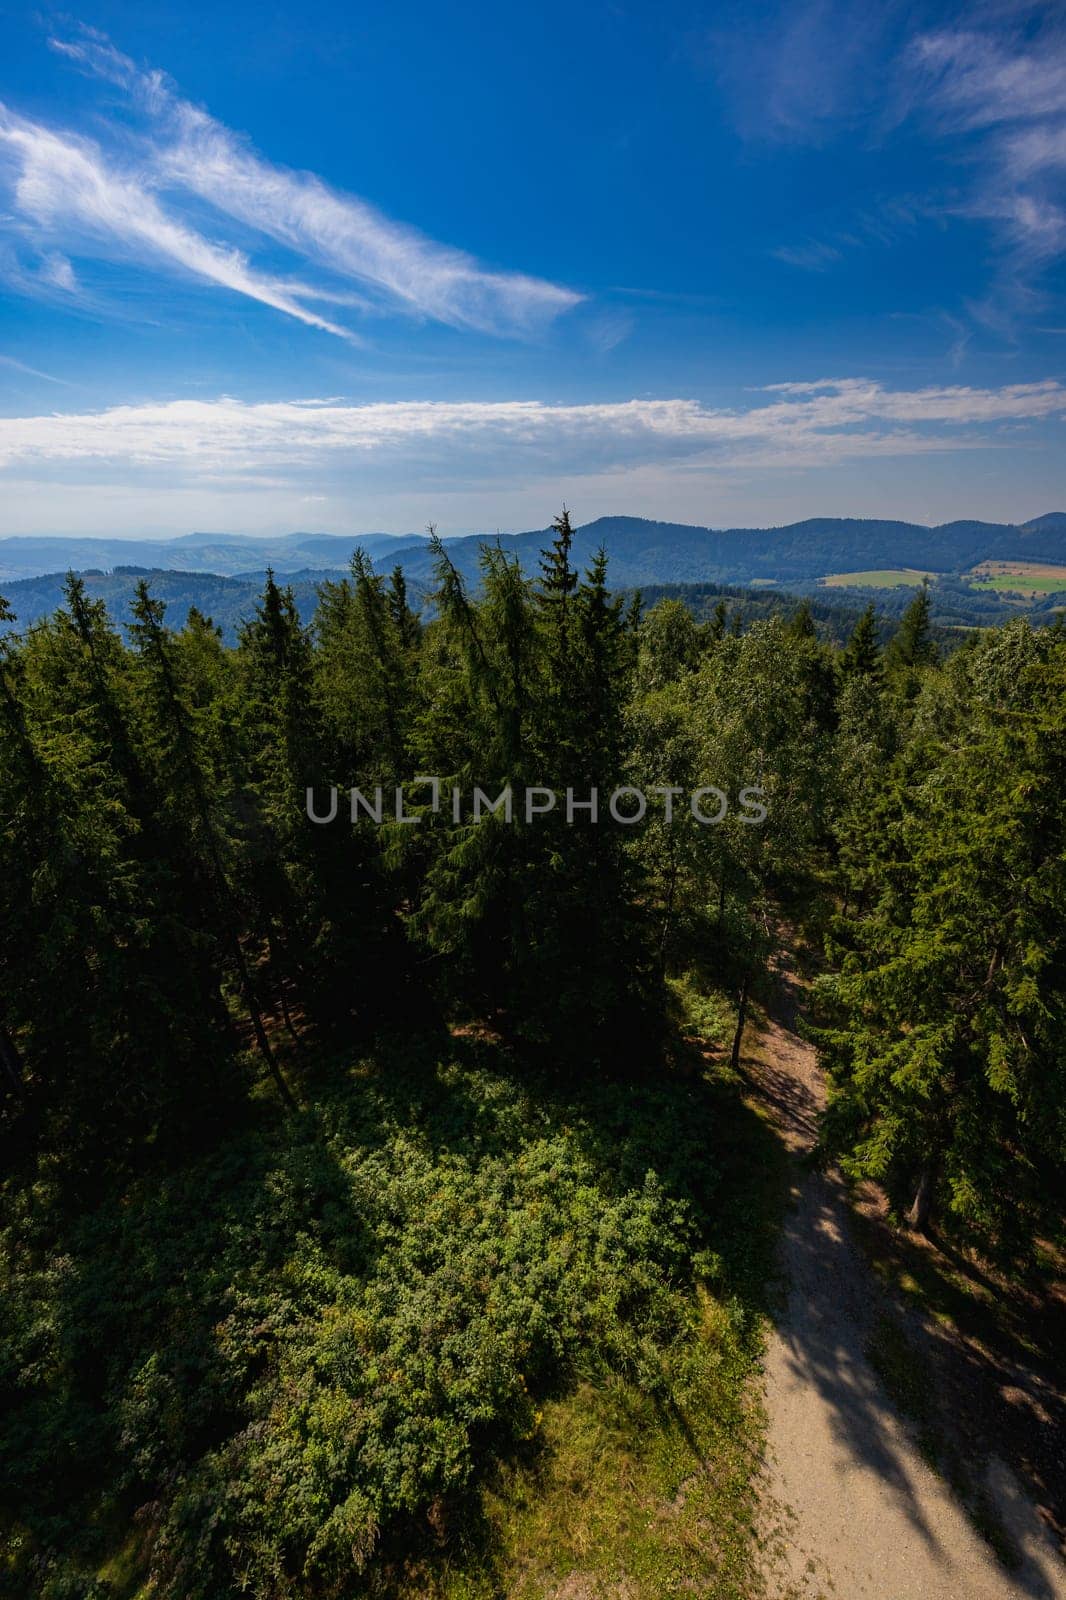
{"x": 628, "y": 1497}
{"x": 1020, "y": 577}
{"x": 961, "y": 1292}
{"x": 878, "y": 578}
{"x": 907, "y": 1382}
{"x": 1023, "y": 585}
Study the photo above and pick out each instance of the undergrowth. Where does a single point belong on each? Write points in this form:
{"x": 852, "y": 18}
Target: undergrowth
{"x": 452, "y": 1330}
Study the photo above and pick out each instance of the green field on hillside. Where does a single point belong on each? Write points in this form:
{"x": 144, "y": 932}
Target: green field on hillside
{"x": 1019, "y": 583}
{"x": 880, "y": 578}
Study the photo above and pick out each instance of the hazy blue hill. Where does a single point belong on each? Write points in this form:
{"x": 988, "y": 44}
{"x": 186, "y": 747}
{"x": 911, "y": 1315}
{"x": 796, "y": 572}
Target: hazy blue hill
{"x": 230, "y": 599}
{"x": 227, "y": 600}
{"x": 1053, "y": 522}
{"x": 641, "y": 551}
{"x": 226, "y": 554}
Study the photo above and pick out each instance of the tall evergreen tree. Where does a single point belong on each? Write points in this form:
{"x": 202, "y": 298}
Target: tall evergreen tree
{"x": 861, "y": 657}
{"x": 912, "y": 648}
{"x": 941, "y": 1038}
{"x": 189, "y": 806}
{"x": 801, "y": 622}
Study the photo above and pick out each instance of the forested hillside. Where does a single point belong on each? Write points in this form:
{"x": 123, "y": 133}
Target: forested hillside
{"x": 641, "y": 552}
{"x": 231, "y": 601}
{"x": 371, "y": 1180}
{"x": 228, "y": 601}
{"x": 644, "y": 552}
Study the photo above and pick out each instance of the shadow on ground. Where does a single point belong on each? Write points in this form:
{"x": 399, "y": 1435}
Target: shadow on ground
{"x": 842, "y": 1337}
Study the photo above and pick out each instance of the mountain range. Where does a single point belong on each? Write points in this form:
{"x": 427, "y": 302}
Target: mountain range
{"x": 222, "y": 574}
{"x": 227, "y": 554}
{"x": 640, "y": 551}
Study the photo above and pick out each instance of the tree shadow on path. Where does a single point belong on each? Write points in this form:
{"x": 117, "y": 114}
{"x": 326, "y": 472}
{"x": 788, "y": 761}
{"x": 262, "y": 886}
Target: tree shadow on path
{"x": 829, "y": 1322}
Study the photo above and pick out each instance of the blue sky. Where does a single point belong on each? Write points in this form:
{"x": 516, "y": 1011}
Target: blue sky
{"x": 266, "y": 268}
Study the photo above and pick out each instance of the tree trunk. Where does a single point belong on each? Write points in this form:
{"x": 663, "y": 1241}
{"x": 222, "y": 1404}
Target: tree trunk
{"x": 921, "y": 1208}
{"x": 257, "y": 1025}
{"x": 668, "y": 914}
{"x": 742, "y": 1013}
{"x": 290, "y": 1026}
{"x": 10, "y": 1062}
{"x": 279, "y": 968}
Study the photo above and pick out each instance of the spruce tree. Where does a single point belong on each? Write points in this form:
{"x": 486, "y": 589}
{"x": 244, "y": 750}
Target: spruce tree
{"x": 941, "y": 1032}
{"x": 861, "y": 657}
{"x": 801, "y": 623}
{"x": 912, "y": 648}
{"x": 190, "y": 808}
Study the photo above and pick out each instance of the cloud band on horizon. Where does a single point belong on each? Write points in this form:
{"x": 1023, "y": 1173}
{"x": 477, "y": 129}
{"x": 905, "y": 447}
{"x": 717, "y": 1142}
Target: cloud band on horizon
{"x": 813, "y": 423}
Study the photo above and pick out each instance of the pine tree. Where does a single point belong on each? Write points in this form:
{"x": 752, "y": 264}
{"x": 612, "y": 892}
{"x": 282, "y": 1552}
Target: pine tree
{"x": 404, "y": 620}
{"x": 189, "y": 811}
{"x": 718, "y": 622}
{"x": 862, "y": 656}
{"x": 941, "y": 1036}
{"x": 801, "y": 623}
{"x": 912, "y": 648}
{"x": 483, "y": 676}
{"x": 558, "y": 578}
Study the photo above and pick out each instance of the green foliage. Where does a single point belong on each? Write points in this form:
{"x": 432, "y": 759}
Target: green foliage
{"x": 288, "y": 1352}
{"x": 537, "y": 916}
{"x": 268, "y": 1320}
{"x": 912, "y": 647}
{"x": 862, "y": 657}
{"x": 942, "y": 1032}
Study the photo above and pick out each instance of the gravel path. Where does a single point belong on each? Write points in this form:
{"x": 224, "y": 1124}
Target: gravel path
{"x": 859, "y": 1513}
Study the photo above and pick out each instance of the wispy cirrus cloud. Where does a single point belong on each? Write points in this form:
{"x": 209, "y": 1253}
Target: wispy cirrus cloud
{"x": 14, "y": 365}
{"x": 799, "y": 69}
{"x": 987, "y": 94}
{"x": 980, "y": 79}
{"x": 64, "y": 187}
{"x": 1007, "y": 98}
{"x": 814, "y": 255}
{"x": 808, "y": 423}
{"x": 184, "y": 189}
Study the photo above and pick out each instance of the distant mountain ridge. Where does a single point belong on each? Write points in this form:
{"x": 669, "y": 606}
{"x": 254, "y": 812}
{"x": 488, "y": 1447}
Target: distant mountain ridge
{"x": 227, "y": 554}
{"x": 641, "y": 551}
{"x": 663, "y": 560}
{"x": 227, "y": 600}
{"x": 645, "y": 552}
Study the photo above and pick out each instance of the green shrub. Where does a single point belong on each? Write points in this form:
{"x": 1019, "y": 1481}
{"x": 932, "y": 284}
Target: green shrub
{"x": 316, "y": 1335}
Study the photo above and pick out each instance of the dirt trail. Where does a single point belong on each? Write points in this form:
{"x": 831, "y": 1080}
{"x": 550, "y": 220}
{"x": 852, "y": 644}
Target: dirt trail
{"x": 863, "y": 1516}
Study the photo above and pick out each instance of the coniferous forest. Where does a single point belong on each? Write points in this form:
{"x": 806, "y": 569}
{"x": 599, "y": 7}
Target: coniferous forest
{"x": 385, "y": 1211}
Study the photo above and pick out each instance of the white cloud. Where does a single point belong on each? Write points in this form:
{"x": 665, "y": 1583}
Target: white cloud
{"x": 57, "y": 270}
{"x": 231, "y": 440}
{"x": 343, "y": 234}
{"x": 1009, "y": 96}
{"x": 990, "y": 94}
{"x": 978, "y": 80}
{"x": 65, "y": 186}
{"x": 31, "y": 372}
{"x": 93, "y": 201}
